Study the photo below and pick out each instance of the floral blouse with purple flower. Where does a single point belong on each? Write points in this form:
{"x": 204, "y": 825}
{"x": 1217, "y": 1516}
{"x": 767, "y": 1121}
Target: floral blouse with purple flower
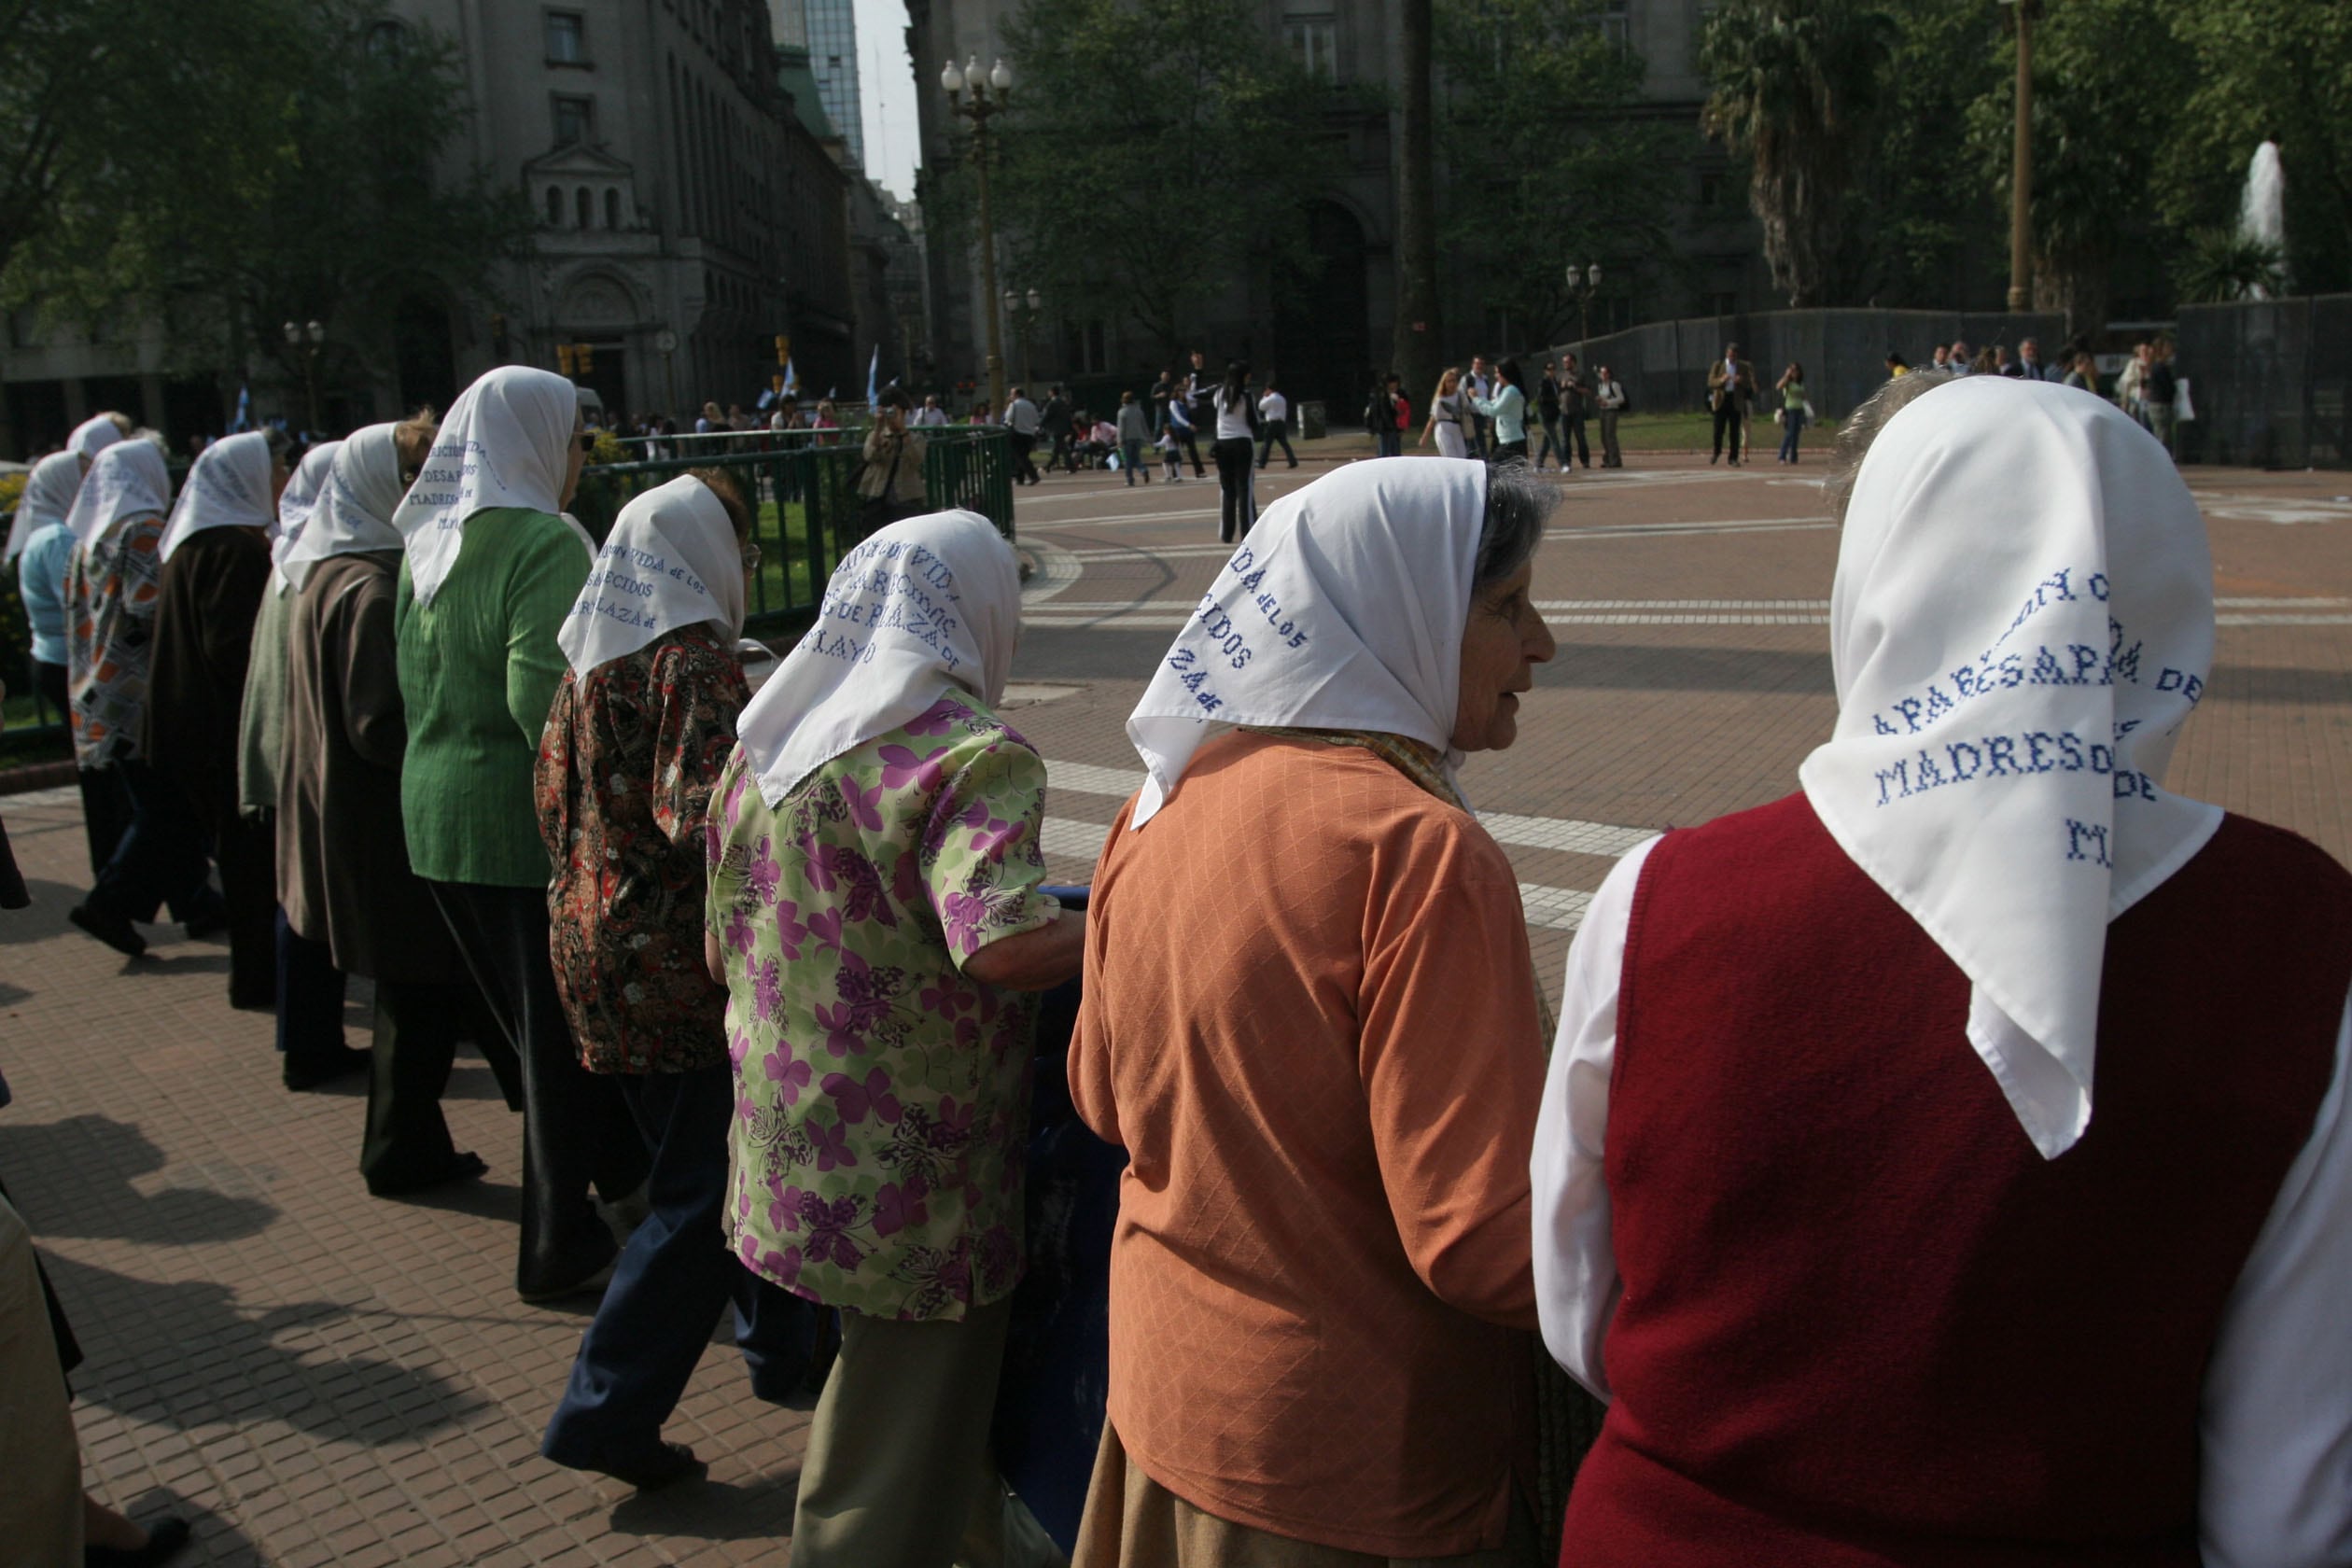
{"x": 882, "y": 1096}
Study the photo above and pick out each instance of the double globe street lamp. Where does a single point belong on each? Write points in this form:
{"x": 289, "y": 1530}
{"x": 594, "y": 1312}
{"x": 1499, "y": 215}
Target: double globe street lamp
{"x": 977, "y": 95}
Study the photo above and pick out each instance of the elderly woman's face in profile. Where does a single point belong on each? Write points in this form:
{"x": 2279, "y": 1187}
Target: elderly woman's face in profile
{"x": 1503, "y": 642}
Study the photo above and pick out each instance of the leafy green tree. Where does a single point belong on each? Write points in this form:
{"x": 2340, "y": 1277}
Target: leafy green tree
{"x": 2259, "y": 69}
{"x": 1120, "y": 104}
{"x": 2110, "y": 80}
{"x": 1798, "y": 85}
{"x": 1924, "y": 228}
{"x": 339, "y": 215}
{"x": 1544, "y": 166}
{"x": 1419, "y": 335}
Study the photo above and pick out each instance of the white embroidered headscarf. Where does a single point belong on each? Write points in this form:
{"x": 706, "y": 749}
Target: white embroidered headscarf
{"x": 672, "y": 561}
{"x": 504, "y": 443}
{"x": 128, "y": 479}
{"x": 93, "y": 435}
{"x": 49, "y": 496}
{"x": 227, "y": 488}
{"x": 354, "y": 510}
{"x": 1343, "y": 610}
{"x": 2022, "y": 621}
{"x": 923, "y": 606}
{"x": 296, "y": 503}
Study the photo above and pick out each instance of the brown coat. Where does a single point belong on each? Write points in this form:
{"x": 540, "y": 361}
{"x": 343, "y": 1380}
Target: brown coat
{"x": 209, "y": 593}
{"x": 1720, "y": 381}
{"x": 343, "y": 875}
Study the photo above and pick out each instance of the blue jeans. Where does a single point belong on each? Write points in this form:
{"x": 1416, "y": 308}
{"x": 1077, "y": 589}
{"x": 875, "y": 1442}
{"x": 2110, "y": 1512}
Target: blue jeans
{"x": 1391, "y": 443}
{"x": 1131, "y": 459}
{"x": 1792, "y": 425}
{"x": 1276, "y": 430}
{"x": 670, "y": 1282}
{"x": 310, "y": 996}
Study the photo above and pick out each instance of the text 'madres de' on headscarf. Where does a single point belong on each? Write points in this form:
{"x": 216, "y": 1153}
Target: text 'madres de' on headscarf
{"x": 352, "y": 513}
{"x": 923, "y": 606}
{"x": 672, "y": 561}
{"x": 1343, "y": 610}
{"x": 128, "y": 479}
{"x": 227, "y": 488}
{"x": 2022, "y": 621}
{"x": 505, "y": 442}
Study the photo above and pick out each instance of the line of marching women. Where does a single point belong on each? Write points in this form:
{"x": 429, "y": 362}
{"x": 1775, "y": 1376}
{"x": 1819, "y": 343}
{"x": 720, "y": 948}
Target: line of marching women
{"x": 1947, "y": 1163}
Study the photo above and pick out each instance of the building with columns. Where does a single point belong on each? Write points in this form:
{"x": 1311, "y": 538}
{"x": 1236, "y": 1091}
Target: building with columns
{"x": 687, "y": 215}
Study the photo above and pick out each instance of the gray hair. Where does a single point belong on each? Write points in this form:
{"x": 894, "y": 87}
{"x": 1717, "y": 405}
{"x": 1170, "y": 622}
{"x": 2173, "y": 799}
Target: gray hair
{"x": 1862, "y": 427}
{"x": 1518, "y": 505}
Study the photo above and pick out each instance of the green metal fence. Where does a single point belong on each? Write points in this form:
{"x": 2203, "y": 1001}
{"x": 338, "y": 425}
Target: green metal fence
{"x": 807, "y": 506}
{"x": 807, "y": 520}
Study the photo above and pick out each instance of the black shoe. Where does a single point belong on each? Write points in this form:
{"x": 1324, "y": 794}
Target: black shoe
{"x": 463, "y": 1166}
{"x": 311, "y": 1069}
{"x": 205, "y": 926}
{"x": 253, "y": 1000}
{"x": 663, "y": 1464}
{"x": 112, "y": 930}
{"x": 166, "y": 1537}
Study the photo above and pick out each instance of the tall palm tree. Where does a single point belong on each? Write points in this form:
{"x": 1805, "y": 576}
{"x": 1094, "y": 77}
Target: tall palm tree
{"x": 1797, "y": 84}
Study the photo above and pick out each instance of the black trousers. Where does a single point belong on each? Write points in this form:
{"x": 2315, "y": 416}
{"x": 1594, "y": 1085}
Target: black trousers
{"x": 1186, "y": 438}
{"x": 407, "y": 1144}
{"x": 1024, "y": 470}
{"x": 310, "y": 996}
{"x": 576, "y": 1130}
{"x": 1728, "y": 417}
{"x": 246, "y": 852}
{"x": 1275, "y": 431}
{"x": 106, "y": 810}
{"x": 1576, "y": 437}
{"x": 163, "y": 854}
{"x": 1235, "y": 513}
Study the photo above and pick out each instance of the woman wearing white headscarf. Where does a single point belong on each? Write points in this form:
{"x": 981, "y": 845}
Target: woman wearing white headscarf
{"x": 876, "y": 913}
{"x": 112, "y": 592}
{"x": 1310, "y": 1017}
{"x": 310, "y": 988}
{"x": 490, "y": 572}
{"x": 641, "y": 728}
{"x": 216, "y": 573}
{"x": 345, "y": 881}
{"x": 97, "y": 433}
{"x": 1949, "y": 1162}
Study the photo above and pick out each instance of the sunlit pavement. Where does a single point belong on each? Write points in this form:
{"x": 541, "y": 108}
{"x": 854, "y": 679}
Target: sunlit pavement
{"x": 316, "y": 1377}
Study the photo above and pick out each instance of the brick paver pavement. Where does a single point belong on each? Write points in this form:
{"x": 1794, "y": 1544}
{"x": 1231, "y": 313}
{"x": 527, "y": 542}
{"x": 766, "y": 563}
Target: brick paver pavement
{"x": 317, "y": 1377}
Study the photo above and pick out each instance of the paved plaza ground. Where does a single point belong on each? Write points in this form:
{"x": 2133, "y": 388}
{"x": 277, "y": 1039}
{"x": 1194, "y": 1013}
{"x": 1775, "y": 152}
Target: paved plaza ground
{"x": 317, "y": 1377}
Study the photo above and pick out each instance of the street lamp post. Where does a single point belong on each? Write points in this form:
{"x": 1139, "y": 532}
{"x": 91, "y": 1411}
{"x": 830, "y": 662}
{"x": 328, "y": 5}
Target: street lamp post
{"x": 978, "y": 96}
{"x": 2022, "y": 165}
{"x": 306, "y": 338}
{"x": 1013, "y": 299}
{"x": 1582, "y": 281}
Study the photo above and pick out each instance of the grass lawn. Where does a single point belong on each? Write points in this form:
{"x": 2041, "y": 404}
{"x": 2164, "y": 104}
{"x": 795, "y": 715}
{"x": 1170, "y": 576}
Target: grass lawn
{"x": 1636, "y": 432}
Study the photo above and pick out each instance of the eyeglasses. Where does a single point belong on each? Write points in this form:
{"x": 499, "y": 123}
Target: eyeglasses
{"x": 751, "y": 557}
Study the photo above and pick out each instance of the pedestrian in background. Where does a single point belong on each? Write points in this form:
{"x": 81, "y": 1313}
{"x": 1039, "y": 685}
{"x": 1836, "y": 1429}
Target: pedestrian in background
{"x": 491, "y": 572}
{"x": 216, "y": 571}
{"x": 1548, "y": 420}
{"x": 892, "y": 479}
{"x": 1274, "y": 424}
{"x": 2083, "y": 372}
{"x": 1508, "y": 410}
{"x": 1135, "y": 434}
{"x": 1385, "y": 416}
{"x": 2160, "y": 389}
{"x": 1446, "y": 413}
{"x": 1608, "y": 396}
{"x": 1794, "y": 410}
{"x": 1575, "y": 398}
{"x": 1478, "y": 386}
{"x": 641, "y": 728}
{"x": 1054, "y": 425}
{"x": 1731, "y": 388}
{"x": 1021, "y": 419}
{"x": 1237, "y": 420}
{"x": 1196, "y": 390}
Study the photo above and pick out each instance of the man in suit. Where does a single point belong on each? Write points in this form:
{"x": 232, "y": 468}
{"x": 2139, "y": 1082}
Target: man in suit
{"x": 1731, "y": 388}
{"x": 2029, "y": 363}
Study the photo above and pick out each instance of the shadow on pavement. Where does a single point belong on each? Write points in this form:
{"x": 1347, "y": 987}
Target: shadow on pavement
{"x": 73, "y": 1179}
{"x": 213, "y": 1538}
{"x": 756, "y": 1510}
{"x": 226, "y": 1368}
{"x": 46, "y": 918}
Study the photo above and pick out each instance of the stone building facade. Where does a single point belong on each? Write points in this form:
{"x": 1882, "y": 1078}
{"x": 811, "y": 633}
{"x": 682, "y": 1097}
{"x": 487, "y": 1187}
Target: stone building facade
{"x": 1326, "y": 331}
{"x": 687, "y": 216}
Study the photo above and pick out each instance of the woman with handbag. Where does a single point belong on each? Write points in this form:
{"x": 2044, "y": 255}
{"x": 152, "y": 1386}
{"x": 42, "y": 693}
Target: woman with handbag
{"x": 891, "y": 484}
{"x": 1794, "y": 410}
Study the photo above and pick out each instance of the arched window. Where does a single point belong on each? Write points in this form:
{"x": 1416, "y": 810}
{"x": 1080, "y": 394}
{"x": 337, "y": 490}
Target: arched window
{"x": 554, "y": 207}
{"x": 585, "y": 214}
{"x": 612, "y": 208}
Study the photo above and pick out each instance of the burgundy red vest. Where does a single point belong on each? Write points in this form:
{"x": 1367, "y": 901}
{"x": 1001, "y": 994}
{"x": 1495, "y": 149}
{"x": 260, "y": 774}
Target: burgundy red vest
{"x": 1864, "y": 1323}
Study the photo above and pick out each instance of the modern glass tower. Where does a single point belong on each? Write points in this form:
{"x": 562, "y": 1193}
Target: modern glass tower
{"x": 828, "y": 29}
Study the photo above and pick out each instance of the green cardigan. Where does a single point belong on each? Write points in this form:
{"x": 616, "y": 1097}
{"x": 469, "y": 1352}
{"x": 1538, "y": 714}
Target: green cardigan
{"x": 479, "y": 668}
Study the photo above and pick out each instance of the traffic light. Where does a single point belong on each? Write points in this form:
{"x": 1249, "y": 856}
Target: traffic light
{"x": 585, "y": 359}
{"x": 563, "y": 358}
{"x": 783, "y": 349}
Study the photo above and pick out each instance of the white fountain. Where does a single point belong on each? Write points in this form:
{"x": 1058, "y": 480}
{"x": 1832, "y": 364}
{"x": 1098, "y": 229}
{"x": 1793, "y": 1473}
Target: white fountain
{"x": 2262, "y": 214}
